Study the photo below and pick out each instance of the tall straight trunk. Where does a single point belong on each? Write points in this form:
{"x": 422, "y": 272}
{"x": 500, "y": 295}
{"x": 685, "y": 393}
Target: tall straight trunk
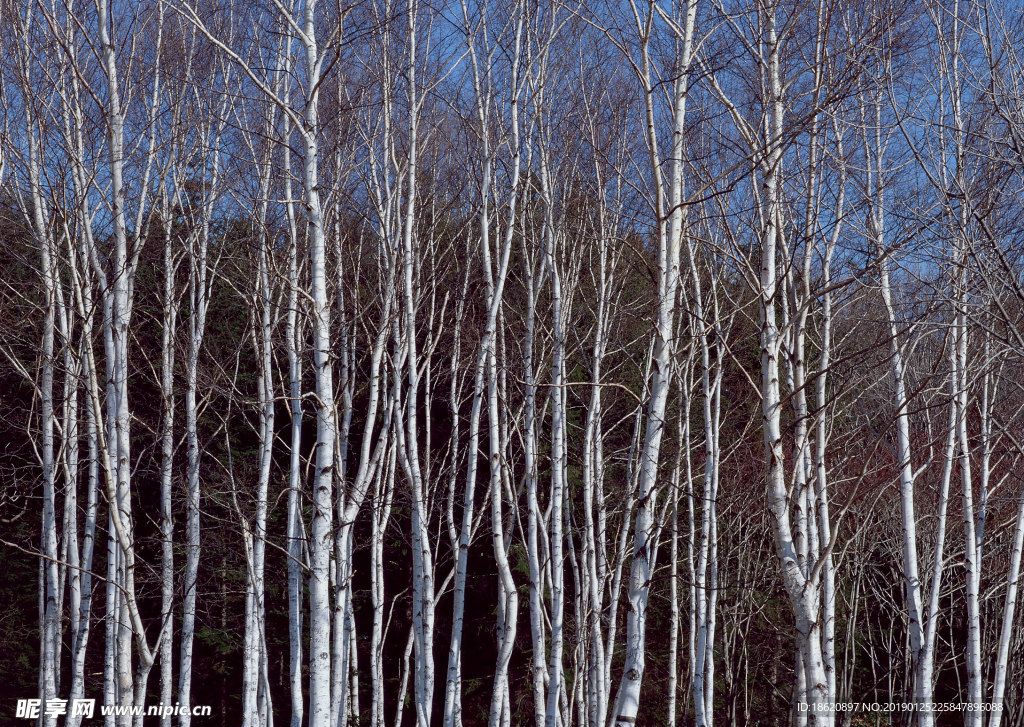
{"x": 682, "y": 460}
{"x": 49, "y": 627}
{"x": 971, "y": 545}
{"x": 77, "y": 689}
{"x": 377, "y": 452}
{"x": 408, "y": 434}
{"x": 960, "y": 255}
{"x": 706, "y": 325}
{"x": 500, "y": 711}
{"x": 168, "y": 348}
{"x": 344, "y": 685}
{"x": 530, "y": 456}
{"x": 622, "y": 544}
{"x": 198, "y": 304}
{"x": 919, "y": 648}
{"x": 295, "y": 481}
{"x": 597, "y": 700}
{"x": 1006, "y": 632}
{"x": 556, "y": 521}
{"x": 801, "y": 587}
{"x": 813, "y": 461}
{"x": 627, "y": 702}
{"x": 926, "y": 666}
{"x": 83, "y": 306}
{"x": 119, "y": 416}
{"x": 69, "y": 569}
{"x": 256, "y": 693}
{"x": 118, "y": 365}
{"x": 323, "y": 479}
{"x": 49, "y": 614}
{"x": 484, "y": 363}
{"x": 595, "y": 564}
{"x": 821, "y": 434}
{"x": 451, "y": 714}
{"x": 383, "y": 496}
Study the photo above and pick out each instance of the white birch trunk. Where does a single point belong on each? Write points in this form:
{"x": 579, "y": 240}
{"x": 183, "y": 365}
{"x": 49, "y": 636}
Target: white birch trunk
{"x": 323, "y": 480}
{"x": 627, "y": 702}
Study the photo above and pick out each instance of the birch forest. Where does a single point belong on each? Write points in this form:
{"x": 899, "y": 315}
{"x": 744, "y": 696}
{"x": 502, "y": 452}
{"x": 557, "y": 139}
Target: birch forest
{"x": 567, "y": 363}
